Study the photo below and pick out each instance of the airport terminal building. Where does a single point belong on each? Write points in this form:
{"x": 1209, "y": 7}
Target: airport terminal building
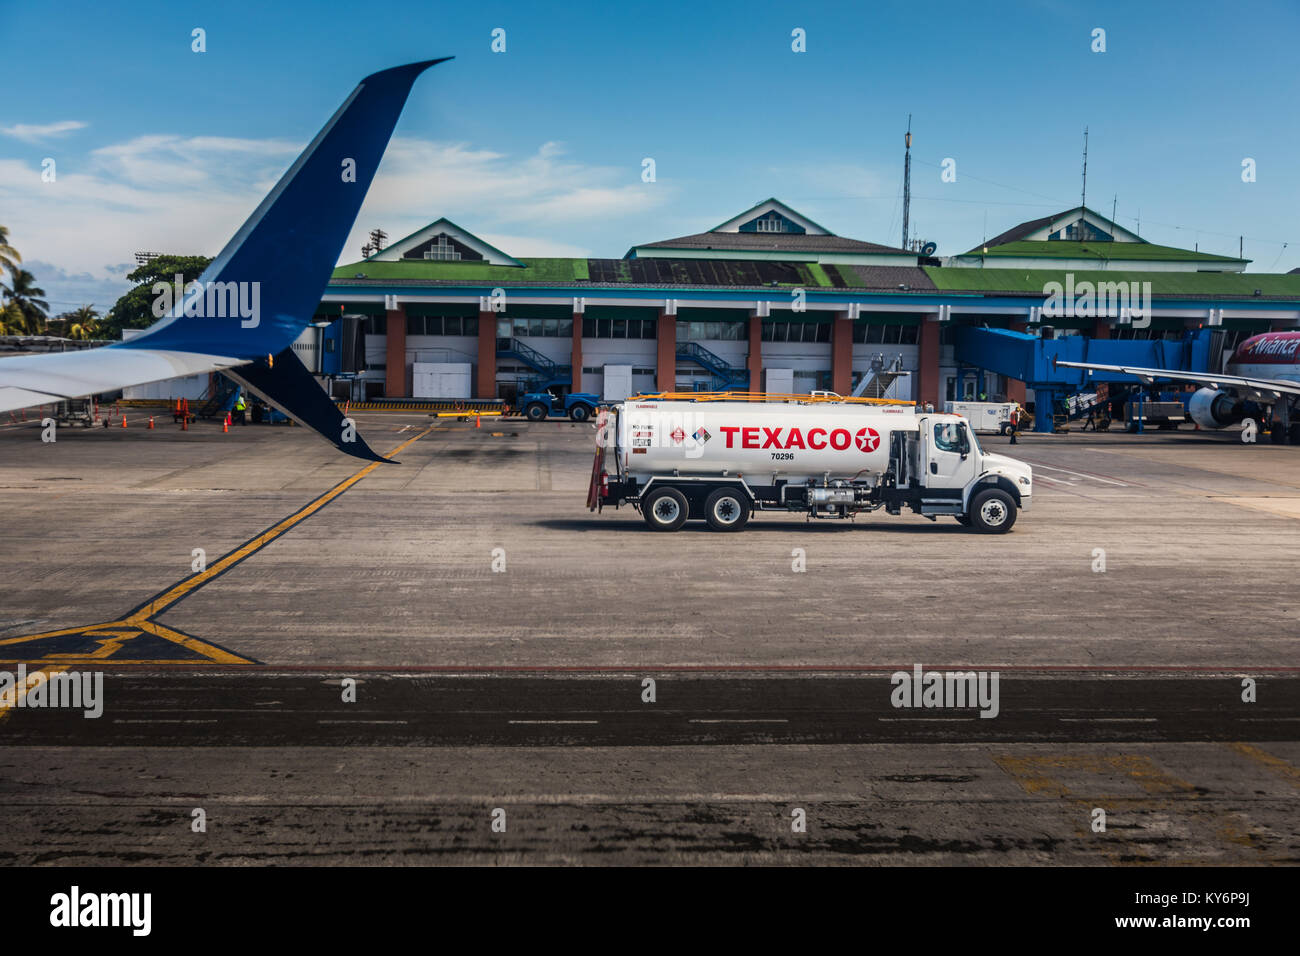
{"x": 770, "y": 301}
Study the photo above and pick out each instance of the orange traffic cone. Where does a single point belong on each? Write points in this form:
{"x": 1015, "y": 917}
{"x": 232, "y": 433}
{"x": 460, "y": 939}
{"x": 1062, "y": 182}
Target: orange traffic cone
{"x": 225, "y": 425}
{"x": 185, "y": 424}
{"x": 123, "y": 421}
{"x": 151, "y": 421}
{"x": 478, "y": 421}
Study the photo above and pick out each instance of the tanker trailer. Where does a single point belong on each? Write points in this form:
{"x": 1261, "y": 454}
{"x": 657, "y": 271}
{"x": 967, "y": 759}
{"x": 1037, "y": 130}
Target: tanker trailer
{"x": 720, "y": 461}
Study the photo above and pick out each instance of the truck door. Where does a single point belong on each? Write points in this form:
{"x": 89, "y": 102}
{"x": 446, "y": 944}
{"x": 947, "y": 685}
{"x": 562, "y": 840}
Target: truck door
{"x": 949, "y": 453}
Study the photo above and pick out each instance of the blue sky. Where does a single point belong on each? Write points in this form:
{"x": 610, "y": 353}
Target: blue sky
{"x": 539, "y": 149}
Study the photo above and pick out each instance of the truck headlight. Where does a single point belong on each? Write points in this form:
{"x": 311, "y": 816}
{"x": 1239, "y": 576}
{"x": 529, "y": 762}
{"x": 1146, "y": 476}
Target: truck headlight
{"x": 1024, "y": 480}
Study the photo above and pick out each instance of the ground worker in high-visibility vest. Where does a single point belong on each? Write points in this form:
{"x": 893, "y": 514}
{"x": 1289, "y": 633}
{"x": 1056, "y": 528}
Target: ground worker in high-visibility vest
{"x": 241, "y": 407}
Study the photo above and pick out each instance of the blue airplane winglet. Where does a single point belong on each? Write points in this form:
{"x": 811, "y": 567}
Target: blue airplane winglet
{"x": 290, "y": 244}
{"x": 257, "y": 296}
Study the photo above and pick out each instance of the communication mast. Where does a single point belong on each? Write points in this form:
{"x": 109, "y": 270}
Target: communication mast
{"x": 907, "y": 177}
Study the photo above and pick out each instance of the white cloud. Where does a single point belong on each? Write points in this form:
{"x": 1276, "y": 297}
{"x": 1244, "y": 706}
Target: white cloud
{"x": 29, "y": 133}
{"x": 188, "y": 195}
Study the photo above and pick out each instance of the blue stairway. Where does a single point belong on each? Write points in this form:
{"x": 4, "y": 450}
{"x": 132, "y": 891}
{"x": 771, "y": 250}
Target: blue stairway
{"x": 550, "y": 374}
{"x": 725, "y": 378}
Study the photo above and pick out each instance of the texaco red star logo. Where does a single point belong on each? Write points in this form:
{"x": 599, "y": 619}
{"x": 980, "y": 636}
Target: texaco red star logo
{"x": 867, "y": 439}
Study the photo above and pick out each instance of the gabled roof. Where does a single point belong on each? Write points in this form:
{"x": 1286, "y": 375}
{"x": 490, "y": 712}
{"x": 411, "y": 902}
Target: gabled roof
{"x": 771, "y": 204}
{"x": 805, "y": 237}
{"x": 1030, "y": 229}
{"x": 1069, "y": 249}
{"x": 771, "y": 242}
{"x": 490, "y": 253}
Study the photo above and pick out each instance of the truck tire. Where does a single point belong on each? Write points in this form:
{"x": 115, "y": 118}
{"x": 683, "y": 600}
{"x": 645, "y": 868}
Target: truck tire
{"x": 665, "y": 509}
{"x": 726, "y": 510}
{"x": 992, "y": 511}
{"x": 536, "y": 412}
{"x": 580, "y": 413}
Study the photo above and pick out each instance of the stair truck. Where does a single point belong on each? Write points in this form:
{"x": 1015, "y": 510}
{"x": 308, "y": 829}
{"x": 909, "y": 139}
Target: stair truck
{"x": 720, "y": 461}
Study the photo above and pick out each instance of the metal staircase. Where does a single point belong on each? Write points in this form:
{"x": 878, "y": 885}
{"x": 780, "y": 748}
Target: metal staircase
{"x": 550, "y": 374}
{"x": 878, "y": 381}
{"x": 220, "y": 397}
{"x": 725, "y": 377}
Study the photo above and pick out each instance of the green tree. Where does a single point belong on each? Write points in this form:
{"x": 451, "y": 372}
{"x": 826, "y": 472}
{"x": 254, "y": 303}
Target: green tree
{"x": 82, "y": 323}
{"x": 135, "y": 309}
{"x": 11, "y": 320}
{"x": 9, "y": 257}
{"x": 29, "y": 300}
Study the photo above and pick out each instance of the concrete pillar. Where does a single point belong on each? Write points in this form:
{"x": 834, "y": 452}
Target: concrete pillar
{"x": 395, "y": 354}
{"x": 666, "y": 346}
{"x": 1015, "y": 387}
{"x": 927, "y": 371}
{"x": 1101, "y": 328}
{"x": 486, "y": 373}
{"x": 841, "y": 354}
{"x": 575, "y": 358}
{"x": 754, "y": 361}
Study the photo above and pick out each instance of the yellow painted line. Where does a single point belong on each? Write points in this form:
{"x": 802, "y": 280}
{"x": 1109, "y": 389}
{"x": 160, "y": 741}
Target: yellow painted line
{"x": 113, "y": 634}
{"x": 1271, "y": 762}
{"x": 1166, "y": 793}
{"x": 249, "y": 548}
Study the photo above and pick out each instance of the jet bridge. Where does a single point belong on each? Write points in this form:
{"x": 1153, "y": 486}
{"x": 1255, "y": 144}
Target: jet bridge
{"x": 1031, "y": 359}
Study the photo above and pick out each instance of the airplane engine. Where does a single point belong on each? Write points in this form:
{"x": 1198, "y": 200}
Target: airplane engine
{"x": 1214, "y": 408}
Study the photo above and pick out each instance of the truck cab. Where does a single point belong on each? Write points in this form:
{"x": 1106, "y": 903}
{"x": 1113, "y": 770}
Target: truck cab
{"x": 959, "y": 477}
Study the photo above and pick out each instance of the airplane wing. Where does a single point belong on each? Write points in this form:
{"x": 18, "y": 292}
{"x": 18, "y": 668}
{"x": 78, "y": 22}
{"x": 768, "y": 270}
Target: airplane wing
{"x": 261, "y": 291}
{"x": 1267, "y": 390}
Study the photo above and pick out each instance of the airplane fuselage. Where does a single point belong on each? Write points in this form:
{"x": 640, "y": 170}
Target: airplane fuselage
{"x": 1270, "y": 355}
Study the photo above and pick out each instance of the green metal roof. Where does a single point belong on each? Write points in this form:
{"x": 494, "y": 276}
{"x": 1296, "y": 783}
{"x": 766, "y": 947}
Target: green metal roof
{"x": 535, "y": 270}
{"x": 1067, "y": 249}
{"x": 1241, "y": 285}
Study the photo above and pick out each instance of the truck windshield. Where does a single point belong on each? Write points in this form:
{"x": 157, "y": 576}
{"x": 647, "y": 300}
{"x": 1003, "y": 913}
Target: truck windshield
{"x": 955, "y": 437}
{"x": 948, "y": 436}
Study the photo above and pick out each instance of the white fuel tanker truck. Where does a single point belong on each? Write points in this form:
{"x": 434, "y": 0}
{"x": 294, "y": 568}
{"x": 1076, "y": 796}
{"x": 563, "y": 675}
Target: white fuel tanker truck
{"x": 720, "y": 461}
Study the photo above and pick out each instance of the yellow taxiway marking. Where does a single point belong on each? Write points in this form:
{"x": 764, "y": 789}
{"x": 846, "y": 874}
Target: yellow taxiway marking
{"x": 1165, "y": 795}
{"x": 1274, "y": 764}
{"x": 112, "y": 635}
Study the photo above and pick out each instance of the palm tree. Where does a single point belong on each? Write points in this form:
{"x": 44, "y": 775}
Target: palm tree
{"x": 82, "y": 323}
{"x": 11, "y": 320}
{"x": 9, "y": 257}
{"x": 29, "y": 300}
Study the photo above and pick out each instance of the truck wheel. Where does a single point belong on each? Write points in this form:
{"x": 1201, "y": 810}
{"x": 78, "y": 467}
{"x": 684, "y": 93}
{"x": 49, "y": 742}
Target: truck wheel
{"x": 580, "y": 413}
{"x": 536, "y": 412}
{"x": 726, "y": 510}
{"x": 665, "y": 509}
{"x": 992, "y": 511}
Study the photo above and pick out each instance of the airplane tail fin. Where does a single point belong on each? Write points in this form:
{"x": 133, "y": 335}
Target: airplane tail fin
{"x": 260, "y": 292}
